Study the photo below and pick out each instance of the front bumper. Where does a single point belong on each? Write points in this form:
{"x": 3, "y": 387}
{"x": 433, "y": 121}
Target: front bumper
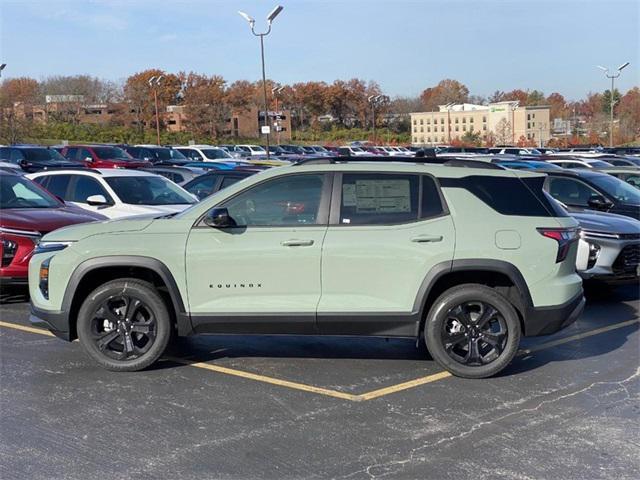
{"x": 618, "y": 260}
{"x": 548, "y": 320}
{"x": 56, "y": 322}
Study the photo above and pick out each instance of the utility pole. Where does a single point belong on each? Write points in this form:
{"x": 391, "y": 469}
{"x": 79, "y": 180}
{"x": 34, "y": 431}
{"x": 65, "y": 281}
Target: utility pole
{"x": 275, "y": 91}
{"x": 612, "y": 102}
{"x": 274, "y": 13}
{"x": 154, "y": 83}
{"x": 374, "y": 101}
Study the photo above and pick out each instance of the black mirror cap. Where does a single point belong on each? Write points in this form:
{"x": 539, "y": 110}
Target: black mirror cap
{"x": 219, "y": 218}
{"x": 599, "y": 202}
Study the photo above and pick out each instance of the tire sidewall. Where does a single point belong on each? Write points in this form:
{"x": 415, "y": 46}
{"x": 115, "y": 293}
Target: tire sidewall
{"x": 152, "y": 300}
{"x": 468, "y": 293}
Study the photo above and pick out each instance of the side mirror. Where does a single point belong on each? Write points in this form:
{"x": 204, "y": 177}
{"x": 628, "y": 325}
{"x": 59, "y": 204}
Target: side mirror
{"x": 97, "y": 201}
{"x": 598, "y": 202}
{"x": 88, "y": 159}
{"x": 219, "y": 218}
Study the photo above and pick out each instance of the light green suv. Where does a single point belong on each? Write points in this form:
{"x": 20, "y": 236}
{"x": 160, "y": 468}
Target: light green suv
{"x": 465, "y": 259}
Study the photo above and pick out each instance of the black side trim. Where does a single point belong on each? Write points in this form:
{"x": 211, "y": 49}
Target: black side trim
{"x": 374, "y": 324}
{"x": 268, "y": 323}
{"x": 182, "y": 317}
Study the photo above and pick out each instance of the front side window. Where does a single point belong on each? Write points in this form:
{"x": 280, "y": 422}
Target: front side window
{"x": 86, "y": 187}
{"x": 111, "y": 153}
{"x": 570, "y": 191}
{"x": 286, "y": 201}
{"x": 618, "y": 189}
{"x": 203, "y": 186}
{"x": 372, "y": 198}
{"x": 215, "y": 153}
{"x": 57, "y": 184}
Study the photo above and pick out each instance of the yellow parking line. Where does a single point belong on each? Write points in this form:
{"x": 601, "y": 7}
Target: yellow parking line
{"x": 262, "y": 378}
{"x": 24, "y": 328}
{"x": 348, "y": 396}
{"x": 404, "y": 386}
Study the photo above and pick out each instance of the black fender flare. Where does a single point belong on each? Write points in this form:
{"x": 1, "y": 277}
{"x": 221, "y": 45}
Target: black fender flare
{"x": 183, "y": 319}
{"x": 472, "y": 264}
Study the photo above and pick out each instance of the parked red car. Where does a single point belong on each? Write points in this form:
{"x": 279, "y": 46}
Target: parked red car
{"x": 103, "y": 156}
{"x": 27, "y": 212}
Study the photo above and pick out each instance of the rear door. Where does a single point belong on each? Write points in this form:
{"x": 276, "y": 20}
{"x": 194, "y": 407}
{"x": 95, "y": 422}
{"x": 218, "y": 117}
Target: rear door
{"x": 386, "y": 231}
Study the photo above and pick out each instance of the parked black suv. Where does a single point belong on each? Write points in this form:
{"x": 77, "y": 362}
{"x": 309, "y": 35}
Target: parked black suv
{"x": 33, "y": 158}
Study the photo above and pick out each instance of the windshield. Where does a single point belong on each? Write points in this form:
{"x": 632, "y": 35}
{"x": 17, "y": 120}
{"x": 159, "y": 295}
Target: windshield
{"x": 357, "y": 149}
{"x": 618, "y": 189}
{"x": 149, "y": 191}
{"x": 42, "y": 155}
{"x": 215, "y": 153}
{"x": 112, "y": 153}
{"x": 258, "y": 149}
{"x": 18, "y": 192}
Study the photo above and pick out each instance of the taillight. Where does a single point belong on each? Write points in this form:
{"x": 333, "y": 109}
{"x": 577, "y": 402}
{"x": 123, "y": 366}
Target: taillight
{"x": 564, "y": 236}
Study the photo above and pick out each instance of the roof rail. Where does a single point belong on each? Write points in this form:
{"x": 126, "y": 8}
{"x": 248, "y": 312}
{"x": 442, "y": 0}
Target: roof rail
{"x": 363, "y": 158}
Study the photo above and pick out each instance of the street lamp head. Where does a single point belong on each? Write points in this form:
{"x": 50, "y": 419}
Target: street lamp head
{"x": 151, "y": 80}
{"x": 623, "y": 66}
{"x": 159, "y": 79}
{"x": 2, "y": 66}
{"x": 274, "y": 13}
{"x": 604, "y": 69}
{"x": 247, "y": 18}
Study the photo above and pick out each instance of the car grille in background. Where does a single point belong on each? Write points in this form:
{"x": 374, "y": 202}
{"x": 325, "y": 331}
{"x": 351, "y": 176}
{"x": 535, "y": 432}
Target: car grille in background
{"x": 628, "y": 260}
{"x": 629, "y": 236}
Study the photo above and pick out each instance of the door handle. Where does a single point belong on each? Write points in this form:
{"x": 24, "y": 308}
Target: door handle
{"x": 296, "y": 243}
{"x": 427, "y": 238}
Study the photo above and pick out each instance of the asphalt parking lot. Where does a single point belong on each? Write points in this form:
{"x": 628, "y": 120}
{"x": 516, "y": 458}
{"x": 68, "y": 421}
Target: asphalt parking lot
{"x": 292, "y": 407}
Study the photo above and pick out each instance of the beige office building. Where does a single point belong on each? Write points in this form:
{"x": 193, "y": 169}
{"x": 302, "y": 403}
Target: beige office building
{"x": 507, "y": 122}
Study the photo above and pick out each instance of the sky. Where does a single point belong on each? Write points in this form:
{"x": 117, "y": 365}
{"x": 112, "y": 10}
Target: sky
{"x": 404, "y": 45}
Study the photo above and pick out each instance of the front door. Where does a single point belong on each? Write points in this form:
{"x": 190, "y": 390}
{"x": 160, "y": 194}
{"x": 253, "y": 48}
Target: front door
{"x": 262, "y": 276}
{"x": 388, "y": 231}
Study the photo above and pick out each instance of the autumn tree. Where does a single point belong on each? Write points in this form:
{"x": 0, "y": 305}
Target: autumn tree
{"x": 139, "y": 94}
{"x": 240, "y": 95}
{"x": 629, "y": 115}
{"x": 446, "y": 91}
{"x": 204, "y": 98}
{"x": 535, "y": 97}
{"x": 497, "y": 96}
{"x": 516, "y": 95}
{"x": 23, "y": 90}
{"x": 557, "y": 106}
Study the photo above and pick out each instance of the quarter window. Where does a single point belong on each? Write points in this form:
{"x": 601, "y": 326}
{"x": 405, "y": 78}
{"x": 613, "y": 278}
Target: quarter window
{"x": 286, "y": 201}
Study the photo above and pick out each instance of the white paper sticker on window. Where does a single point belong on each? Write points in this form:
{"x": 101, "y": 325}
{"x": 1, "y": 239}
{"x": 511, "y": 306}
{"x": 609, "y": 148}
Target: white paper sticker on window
{"x": 349, "y": 195}
{"x": 383, "y": 196}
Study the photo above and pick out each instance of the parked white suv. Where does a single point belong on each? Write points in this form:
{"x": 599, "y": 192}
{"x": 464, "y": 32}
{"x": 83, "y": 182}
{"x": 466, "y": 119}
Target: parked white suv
{"x": 250, "y": 150}
{"x": 205, "y": 153}
{"x": 116, "y": 193}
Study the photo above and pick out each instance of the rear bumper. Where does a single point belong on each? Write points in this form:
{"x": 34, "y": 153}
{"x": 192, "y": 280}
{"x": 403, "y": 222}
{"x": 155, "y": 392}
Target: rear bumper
{"x": 56, "y": 322}
{"x": 548, "y": 320}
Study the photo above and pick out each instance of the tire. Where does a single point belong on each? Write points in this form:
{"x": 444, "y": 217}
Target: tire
{"x": 472, "y": 331}
{"x": 122, "y": 340}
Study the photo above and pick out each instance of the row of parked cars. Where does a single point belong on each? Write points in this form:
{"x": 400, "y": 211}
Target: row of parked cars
{"x": 53, "y": 187}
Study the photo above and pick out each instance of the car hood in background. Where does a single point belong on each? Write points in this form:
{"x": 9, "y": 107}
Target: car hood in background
{"x": 606, "y": 222}
{"x": 44, "y": 220}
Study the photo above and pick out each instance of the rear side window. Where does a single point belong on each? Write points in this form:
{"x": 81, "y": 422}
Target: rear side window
{"x": 384, "y": 199}
{"x": 226, "y": 181}
{"x": 203, "y": 187}
{"x": 508, "y": 196}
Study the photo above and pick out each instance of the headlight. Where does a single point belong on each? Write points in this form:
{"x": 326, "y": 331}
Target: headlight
{"x": 52, "y": 246}
{"x": 43, "y": 278}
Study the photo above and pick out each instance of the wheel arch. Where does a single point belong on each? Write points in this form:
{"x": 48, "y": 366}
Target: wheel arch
{"x": 96, "y": 271}
{"x": 501, "y": 275}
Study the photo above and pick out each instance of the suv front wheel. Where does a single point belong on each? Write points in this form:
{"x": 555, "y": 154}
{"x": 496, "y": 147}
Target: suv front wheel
{"x": 124, "y": 325}
{"x": 472, "y": 331}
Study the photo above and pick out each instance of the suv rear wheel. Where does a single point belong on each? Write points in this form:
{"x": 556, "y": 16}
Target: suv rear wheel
{"x": 472, "y": 331}
{"x": 124, "y": 325}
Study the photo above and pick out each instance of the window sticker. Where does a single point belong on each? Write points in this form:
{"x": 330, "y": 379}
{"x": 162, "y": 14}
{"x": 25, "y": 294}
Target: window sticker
{"x": 349, "y": 195}
{"x": 383, "y": 196}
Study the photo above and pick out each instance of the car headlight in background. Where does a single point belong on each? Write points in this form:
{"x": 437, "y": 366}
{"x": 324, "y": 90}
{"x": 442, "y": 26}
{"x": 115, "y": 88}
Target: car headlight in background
{"x": 52, "y": 246}
{"x": 43, "y": 277}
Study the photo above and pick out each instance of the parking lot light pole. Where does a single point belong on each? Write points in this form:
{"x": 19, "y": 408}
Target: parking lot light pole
{"x": 252, "y": 23}
{"x": 275, "y": 91}
{"x": 612, "y": 102}
{"x": 374, "y": 101}
{"x": 154, "y": 83}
